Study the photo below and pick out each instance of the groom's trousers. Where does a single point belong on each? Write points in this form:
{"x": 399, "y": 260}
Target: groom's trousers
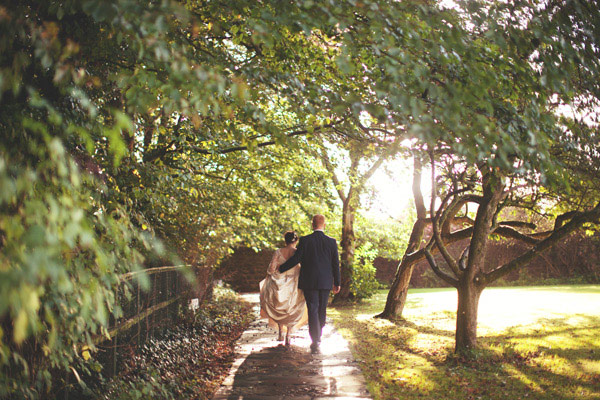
{"x": 316, "y": 303}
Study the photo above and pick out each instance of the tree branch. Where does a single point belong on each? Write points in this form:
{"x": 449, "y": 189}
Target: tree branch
{"x": 336, "y": 182}
{"x": 448, "y": 216}
{"x": 518, "y": 224}
{"x": 269, "y": 143}
{"x": 461, "y": 220}
{"x": 575, "y": 223}
{"x": 507, "y": 232}
{"x": 560, "y": 220}
{"x": 444, "y": 276}
{"x": 362, "y": 180}
{"x": 435, "y": 223}
{"x": 462, "y": 261}
{"x": 448, "y": 239}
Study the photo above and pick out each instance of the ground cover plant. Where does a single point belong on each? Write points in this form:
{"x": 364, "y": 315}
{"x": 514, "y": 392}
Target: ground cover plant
{"x": 187, "y": 361}
{"x": 535, "y": 342}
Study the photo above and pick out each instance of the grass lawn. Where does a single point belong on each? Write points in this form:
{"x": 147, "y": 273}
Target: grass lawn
{"x": 535, "y": 343}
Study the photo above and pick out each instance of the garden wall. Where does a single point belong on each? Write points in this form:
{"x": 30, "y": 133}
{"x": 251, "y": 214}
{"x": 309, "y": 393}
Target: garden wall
{"x": 244, "y": 269}
{"x": 576, "y": 259}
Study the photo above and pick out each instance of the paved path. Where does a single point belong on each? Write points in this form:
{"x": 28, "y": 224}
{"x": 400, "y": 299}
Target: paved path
{"x": 265, "y": 369}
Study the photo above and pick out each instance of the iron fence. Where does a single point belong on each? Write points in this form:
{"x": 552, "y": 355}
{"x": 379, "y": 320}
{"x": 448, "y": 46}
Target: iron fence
{"x": 144, "y": 312}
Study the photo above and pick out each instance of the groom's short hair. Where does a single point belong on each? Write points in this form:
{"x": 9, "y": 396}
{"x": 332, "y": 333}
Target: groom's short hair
{"x": 318, "y": 221}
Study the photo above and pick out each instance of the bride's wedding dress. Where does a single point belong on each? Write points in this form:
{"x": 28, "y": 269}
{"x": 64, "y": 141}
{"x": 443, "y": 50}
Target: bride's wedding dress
{"x": 280, "y": 299}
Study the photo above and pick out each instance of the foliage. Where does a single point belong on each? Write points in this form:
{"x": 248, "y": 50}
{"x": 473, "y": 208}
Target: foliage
{"x": 531, "y": 358}
{"x": 124, "y": 120}
{"x": 63, "y": 248}
{"x": 251, "y": 200}
{"x": 187, "y": 360}
{"x": 364, "y": 284}
{"x": 514, "y": 146}
{"x": 112, "y": 118}
{"x": 388, "y": 236}
{"x": 145, "y": 386}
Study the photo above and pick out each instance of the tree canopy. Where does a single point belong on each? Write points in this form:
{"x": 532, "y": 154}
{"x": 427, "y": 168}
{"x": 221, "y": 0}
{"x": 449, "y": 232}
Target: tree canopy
{"x": 139, "y": 132}
{"x": 521, "y": 157}
{"x": 123, "y": 122}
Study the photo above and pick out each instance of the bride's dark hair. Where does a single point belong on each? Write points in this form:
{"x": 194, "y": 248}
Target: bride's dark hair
{"x": 290, "y": 237}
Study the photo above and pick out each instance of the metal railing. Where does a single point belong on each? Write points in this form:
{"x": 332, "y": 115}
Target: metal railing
{"x": 144, "y": 312}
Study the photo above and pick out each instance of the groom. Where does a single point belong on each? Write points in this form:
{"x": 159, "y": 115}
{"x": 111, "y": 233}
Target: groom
{"x": 317, "y": 254}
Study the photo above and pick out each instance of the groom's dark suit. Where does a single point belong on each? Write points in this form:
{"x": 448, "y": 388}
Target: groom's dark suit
{"x": 317, "y": 254}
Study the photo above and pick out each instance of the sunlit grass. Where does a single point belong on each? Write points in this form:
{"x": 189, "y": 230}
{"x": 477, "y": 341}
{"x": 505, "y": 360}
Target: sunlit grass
{"x": 535, "y": 342}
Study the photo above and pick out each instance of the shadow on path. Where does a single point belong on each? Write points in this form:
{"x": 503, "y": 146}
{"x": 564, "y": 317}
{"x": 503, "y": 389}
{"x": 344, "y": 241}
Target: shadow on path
{"x": 264, "y": 369}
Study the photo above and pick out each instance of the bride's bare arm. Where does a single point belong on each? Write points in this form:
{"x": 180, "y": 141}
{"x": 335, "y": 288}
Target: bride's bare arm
{"x": 273, "y": 264}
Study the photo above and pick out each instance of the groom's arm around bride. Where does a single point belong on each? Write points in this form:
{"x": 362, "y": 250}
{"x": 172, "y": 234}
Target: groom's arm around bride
{"x": 317, "y": 254}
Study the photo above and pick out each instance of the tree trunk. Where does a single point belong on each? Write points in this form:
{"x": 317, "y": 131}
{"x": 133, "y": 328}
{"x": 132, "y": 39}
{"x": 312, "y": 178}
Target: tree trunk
{"x": 350, "y": 204}
{"x": 470, "y": 283}
{"x": 466, "y": 315}
{"x": 347, "y": 244}
{"x": 396, "y": 298}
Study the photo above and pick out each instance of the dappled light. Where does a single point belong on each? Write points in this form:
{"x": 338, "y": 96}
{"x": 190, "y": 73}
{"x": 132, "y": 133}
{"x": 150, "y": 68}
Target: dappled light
{"x": 502, "y": 308}
{"x": 144, "y": 142}
{"x": 265, "y": 368}
{"x": 549, "y": 349}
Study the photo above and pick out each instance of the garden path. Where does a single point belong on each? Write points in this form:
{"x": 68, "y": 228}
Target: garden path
{"x": 265, "y": 369}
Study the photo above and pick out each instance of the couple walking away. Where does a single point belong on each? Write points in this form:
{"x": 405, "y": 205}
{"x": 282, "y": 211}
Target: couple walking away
{"x": 298, "y": 283}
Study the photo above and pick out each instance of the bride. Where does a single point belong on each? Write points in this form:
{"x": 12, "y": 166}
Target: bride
{"x": 280, "y": 299}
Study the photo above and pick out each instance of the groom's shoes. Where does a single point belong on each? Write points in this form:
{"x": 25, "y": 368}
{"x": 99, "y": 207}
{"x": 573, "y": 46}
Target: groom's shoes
{"x": 314, "y": 348}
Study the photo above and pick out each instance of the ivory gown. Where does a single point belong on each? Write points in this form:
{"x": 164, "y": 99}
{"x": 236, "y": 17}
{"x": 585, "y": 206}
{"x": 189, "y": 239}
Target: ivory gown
{"x": 280, "y": 299}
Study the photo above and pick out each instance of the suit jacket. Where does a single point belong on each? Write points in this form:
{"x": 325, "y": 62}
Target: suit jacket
{"x": 317, "y": 254}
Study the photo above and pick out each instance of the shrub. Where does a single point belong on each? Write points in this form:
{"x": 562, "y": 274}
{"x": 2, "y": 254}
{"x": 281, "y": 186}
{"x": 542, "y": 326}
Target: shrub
{"x": 364, "y": 284}
{"x": 62, "y": 251}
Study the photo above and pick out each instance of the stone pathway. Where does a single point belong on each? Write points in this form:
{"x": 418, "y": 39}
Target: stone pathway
{"x": 265, "y": 369}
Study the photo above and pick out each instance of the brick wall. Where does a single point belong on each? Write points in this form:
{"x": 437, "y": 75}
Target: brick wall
{"x": 577, "y": 255}
{"x": 244, "y": 269}
{"x": 386, "y": 271}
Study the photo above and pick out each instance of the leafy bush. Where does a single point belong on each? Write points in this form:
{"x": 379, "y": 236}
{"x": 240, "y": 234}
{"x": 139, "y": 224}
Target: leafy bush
{"x": 364, "y": 284}
{"x": 62, "y": 251}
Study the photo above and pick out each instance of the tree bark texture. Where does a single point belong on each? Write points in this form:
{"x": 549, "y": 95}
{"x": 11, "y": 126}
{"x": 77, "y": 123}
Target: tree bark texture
{"x": 471, "y": 283}
{"x": 466, "y": 315}
{"x": 396, "y": 298}
{"x": 347, "y": 244}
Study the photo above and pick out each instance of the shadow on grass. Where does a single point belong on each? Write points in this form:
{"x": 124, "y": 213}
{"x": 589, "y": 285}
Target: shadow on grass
{"x": 575, "y": 343}
{"x": 544, "y": 361}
